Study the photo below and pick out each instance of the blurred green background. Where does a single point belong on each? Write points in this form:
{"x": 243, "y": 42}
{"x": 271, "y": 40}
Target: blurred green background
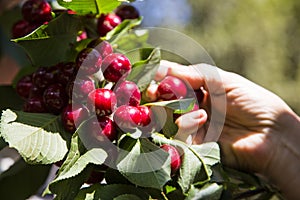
{"x": 259, "y": 39}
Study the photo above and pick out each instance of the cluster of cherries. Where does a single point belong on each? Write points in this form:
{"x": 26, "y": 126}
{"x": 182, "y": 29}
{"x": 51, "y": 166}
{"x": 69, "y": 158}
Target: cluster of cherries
{"x": 38, "y": 12}
{"x": 34, "y": 13}
{"x": 78, "y": 90}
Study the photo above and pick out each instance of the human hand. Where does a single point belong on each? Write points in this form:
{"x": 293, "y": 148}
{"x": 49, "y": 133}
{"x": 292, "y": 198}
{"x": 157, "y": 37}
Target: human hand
{"x": 257, "y": 127}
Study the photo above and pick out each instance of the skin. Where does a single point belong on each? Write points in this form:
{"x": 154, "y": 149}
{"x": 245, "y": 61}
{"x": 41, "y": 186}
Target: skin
{"x": 260, "y": 133}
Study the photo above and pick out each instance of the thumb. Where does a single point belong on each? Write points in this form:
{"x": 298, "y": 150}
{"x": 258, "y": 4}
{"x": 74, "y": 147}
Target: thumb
{"x": 208, "y": 76}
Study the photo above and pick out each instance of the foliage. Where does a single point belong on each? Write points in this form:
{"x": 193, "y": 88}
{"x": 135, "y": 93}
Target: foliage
{"x": 140, "y": 169}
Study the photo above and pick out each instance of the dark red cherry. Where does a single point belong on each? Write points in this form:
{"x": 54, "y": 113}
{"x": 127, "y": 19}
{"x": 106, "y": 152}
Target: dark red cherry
{"x": 127, "y": 117}
{"x": 24, "y": 86}
{"x": 115, "y": 66}
{"x": 146, "y": 115}
{"x": 171, "y": 88}
{"x": 102, "y": 101}
{"x": 66, "y": 72}
{"x": 88, "y": 61}
{"x": 79, "y": 88}
{"x": 44, "y": 77}
{"x": 55, "y": 98}
{"x": 22, "y": 28}
{"x": 72, "y": 115}
{"x": 95, "y": 177}
{"x": 102, "y": 128}
{"x": 37, "y": 11}
{"x": 107, "y": 23}
{"x": 128, "y": 93}
{"x": 34, "y": 105}
{"x": 175, "y": 157}
{"x": 127, "y": 11}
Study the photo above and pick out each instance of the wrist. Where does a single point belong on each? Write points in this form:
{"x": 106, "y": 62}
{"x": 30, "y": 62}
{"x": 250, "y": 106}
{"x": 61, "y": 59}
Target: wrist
{"x": 283, "y": 169}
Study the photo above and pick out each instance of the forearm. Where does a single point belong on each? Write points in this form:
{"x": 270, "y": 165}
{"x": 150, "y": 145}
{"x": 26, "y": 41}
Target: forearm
{"x": 285, "y": 167}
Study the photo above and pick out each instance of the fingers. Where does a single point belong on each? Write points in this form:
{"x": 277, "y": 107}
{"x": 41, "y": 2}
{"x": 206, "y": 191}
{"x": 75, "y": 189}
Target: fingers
{"x": 199, "y": 75}
{"x": 189, "y": 123}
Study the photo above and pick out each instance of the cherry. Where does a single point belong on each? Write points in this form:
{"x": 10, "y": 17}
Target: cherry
{"x": 37, "y": 11}
{"x": 22, "y": 28}
{"x": 66, "y": 72}
{"x": 128, "y": 93}
{"x": 102, "y": 101}
{"x": 175, "y": 157}
{"x": 73, "y": 115}
{"x": 171, "y": 88}
{"x": 104, "y": 48}
{"x": 146, "y": 115}
{"x": 88, "y": 61}
{"x": 107, "y": 23}
{"x": 44, "y": 77}
{"x": 95, "y": 177}
{"x": 115, "y": 66}
{"x": 55, "y": 98}
{"x": 127, "y": 11}
{"x": 34, "y": 105}
{"x": 35, "y": 91}
{"x": 102, "y": 128}
{"x": 23, "y": 86}
{"x": 79, "y": 89}
{"x": 127, "y": 117}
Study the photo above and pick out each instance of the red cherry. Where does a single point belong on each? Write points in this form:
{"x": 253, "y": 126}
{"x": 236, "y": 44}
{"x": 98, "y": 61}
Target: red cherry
{"x": 55, "y": 98}
{"x": 44, "y": 76}
{"x": 66, "y": 72}
{"x": 102, "y": 101}
{"x": 171, "y": 88}
{"x": 127, "y": 117}
{"x": 79, "y": 89}
{"x": 24, "y": 86}
{"x": 103, "y": 47}
{"x": 107, "y": 23}
{"x": 88, "y": 61}
{"x": 22, "y": 28}
{"x": 73, "y": 115}
{"x": 95, "y": 177}
{"x": 102, "y": 128}
{"x": 146, "y": 115}
{"x": 37, "y": 11}
{"x": 115, "y": 66}
{"x": 127, "y": 11}
{"x": 34, "y": 105}
{"x": 128, "y": 93}
{"x": 175, "y": 157}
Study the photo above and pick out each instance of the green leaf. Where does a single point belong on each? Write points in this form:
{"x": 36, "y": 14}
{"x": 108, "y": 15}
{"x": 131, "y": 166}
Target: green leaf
{"x": 127, "y": 196}
{"x": 10, "y": 99}
{"x": 75, "y": 169}
{"x": 69, "y": 188}
{"x": 107, "y": 6}
{"x": 83, "y": 7}
{"x": 179, "y": 106}
{"x": 193, "y": 169}
{"x": 50, "y": 43}
{"x": 146, "y": 165}
{"x": 36, "y": 136}
{"x": 169, "y": 128}
{"x": 113, "y": 191}
{"x": 78, "y": 159}
{"x": 131, "y": 41}
{"x": 209, "y": 152}
{"x": 143, "y": 72}
{"x": 122, "y": 29}
{"x": 22, "y": 180}
{"x": 211, "y": 191}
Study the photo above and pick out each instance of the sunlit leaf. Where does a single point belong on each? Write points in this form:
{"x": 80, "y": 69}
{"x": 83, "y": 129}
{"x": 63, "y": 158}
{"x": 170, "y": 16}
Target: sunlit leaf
{"x": 36, "y": 136}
